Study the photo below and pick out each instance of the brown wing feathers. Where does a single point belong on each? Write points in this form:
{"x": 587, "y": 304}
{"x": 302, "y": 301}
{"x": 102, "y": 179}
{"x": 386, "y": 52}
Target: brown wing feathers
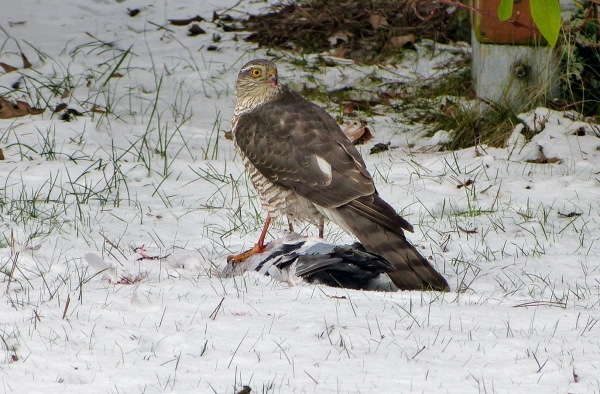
{"x": 297, "y": 145}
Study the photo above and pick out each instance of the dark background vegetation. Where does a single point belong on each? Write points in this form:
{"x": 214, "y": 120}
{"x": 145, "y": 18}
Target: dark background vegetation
{"x": 380, "y": 32}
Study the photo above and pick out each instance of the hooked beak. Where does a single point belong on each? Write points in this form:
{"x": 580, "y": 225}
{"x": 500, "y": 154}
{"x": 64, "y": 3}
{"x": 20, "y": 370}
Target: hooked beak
{"x": 273, "y": 78}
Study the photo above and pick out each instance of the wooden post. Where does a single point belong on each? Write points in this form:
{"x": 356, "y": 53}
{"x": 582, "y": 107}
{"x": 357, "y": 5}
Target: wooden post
{"x": 511, "y": 64}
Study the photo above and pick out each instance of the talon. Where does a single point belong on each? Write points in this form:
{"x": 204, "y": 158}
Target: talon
{"x": 239, "y": 258}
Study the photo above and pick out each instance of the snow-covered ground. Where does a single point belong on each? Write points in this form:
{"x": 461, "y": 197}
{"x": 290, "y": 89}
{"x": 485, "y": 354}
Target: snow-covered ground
{"x": 115, "y": 224}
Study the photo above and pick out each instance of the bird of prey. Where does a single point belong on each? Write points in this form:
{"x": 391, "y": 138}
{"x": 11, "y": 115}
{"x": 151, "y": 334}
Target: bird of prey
{"x": 295, "y": 259}
{"x": 304, "y": 167}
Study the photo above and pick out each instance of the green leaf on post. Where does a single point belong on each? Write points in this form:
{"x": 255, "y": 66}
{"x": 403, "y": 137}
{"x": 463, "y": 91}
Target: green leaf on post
{"x": 546, "y": 15}
{"x": 505, "y": 9}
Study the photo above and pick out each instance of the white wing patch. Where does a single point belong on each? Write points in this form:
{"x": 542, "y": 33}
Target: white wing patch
{"x": 325, "y": 167}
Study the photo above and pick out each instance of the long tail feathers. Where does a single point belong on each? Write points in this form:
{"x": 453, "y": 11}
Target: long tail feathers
{"x": 412, "y": 271}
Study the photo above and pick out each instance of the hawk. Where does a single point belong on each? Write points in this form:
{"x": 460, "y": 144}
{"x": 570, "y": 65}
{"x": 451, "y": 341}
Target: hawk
{"x": 303, "y": 167}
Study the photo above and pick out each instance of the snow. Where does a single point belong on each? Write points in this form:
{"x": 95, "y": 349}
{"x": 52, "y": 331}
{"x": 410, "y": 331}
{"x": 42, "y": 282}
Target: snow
{"x": 115, "y": 226}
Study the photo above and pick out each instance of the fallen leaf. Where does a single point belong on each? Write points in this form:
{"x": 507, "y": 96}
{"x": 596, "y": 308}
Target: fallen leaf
{"x": 133, "y": 12}
{"x": 73, "y": 112}
{"x": 97, "y": 109}
{"x": 543, "y": 159}
{"x": 338, "y": 37}
{"x": 215, "y": 16}
{"x": 25, "y": 107}
{"x": 60, "y": 107}
{"x": 117, "y": 75}
{"x": 1, "y": 154}
{"x": 20, "y": 108}
{"x": 449, "y": 109}
{"x": 8, "y": 68}
{"x": 195, "y": 29}
{"x": 378, "y": 21}
{"x": 379, "y": 147}
{"x": 228, "y": 135}
{"x": 401, "y": 41}
{"x": 246, "y": 389}
{"x": 349, "y": 108}
{"x": 226, "y": 18}
{"x": 185, "y": 22}
{"x": 364, "y": 137}
{"x": 570, "y": 214}
{"x": 231, "y": 27}
{"x": 65, "y": 94}
{"x": 468, "y": 231}
{"x": 26, "y": 63}
{"x": 358, "y": 133}
{"x": 469, "y": 182}
{"x": 340, "y": 51}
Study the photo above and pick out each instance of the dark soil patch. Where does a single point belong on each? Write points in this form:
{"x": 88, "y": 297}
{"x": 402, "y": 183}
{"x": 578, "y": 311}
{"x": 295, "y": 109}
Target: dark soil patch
{"x": 364, "y": 31}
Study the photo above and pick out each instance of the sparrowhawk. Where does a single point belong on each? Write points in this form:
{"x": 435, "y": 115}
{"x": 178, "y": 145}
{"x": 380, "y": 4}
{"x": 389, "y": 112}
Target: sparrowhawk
{"x": 304, "y": 167}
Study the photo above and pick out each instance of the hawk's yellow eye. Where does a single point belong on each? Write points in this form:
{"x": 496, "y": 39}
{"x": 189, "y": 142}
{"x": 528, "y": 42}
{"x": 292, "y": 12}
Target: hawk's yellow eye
{"x": 256, "y": 72}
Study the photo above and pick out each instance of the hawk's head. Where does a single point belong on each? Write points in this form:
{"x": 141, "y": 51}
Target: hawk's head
{"x": 256, "y": 84}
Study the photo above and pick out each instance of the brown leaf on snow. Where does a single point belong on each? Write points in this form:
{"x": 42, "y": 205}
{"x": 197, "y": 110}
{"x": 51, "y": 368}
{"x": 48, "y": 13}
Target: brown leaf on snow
{"x": 20, "y": 108}
{"x": 543, "y": 159}
{"x": 185, "y": 22}
{"x": 60, "y": 107}
{"x": 358, "y": 133}
{"x": 26, "y": 63}
{"x": 7, "y": 67}
{"x": 65, "y": 94}
{"x": 401, "y": 41}
{"x": 570, "y": 214}
{"x": 350, "y": 107}
{"x": 24, "y": 107}
{"x": 195, "y": 29}
{"x": 1, "y": 155}
{"x": 97, "y": 109}
{"x": 226, "y": 18}
{"x": 378, "y": 21}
